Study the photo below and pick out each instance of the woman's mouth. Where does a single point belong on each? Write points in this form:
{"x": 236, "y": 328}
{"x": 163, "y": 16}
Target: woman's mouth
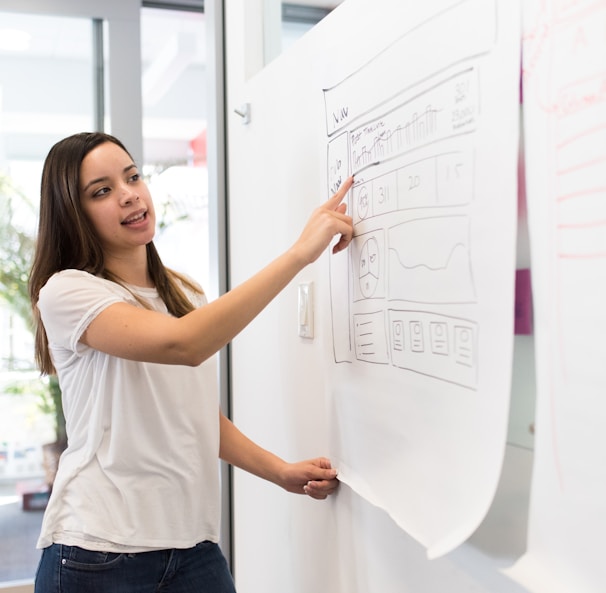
{"x": 135, "y": 218}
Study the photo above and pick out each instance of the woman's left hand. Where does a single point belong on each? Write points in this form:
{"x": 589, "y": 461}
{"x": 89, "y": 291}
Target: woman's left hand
{"x": 314, "y": 477}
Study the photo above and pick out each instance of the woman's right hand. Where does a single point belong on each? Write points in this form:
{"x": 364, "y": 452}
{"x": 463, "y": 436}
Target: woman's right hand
{"x": 325, "y": 222}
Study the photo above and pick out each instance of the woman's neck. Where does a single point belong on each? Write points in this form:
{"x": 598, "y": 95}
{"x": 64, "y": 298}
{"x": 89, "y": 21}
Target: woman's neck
{"x": 131, "y": 269}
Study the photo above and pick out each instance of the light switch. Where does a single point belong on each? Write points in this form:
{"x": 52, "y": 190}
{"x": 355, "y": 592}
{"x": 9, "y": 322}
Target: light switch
{"x": 306, "y": 310}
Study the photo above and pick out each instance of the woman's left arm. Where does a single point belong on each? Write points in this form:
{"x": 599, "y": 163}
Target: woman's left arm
{"x": 314, "y": 477}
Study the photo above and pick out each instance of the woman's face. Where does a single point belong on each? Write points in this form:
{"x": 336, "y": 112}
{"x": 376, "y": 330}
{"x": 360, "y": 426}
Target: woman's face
{"x": 116, "y": 200}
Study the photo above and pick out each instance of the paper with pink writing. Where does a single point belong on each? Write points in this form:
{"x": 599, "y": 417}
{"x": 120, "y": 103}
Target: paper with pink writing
{"x": 565, "y": 143}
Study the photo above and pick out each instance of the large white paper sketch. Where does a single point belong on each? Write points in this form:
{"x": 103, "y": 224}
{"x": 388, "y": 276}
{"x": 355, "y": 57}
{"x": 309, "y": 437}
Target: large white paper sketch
{"x": 422, "y": 306}
{"x": 565, "y": 138}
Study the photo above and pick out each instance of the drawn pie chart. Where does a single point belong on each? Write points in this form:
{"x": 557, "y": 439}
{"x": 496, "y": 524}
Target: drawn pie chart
{"x": 369, "y": 267}
{"x": 362, "y": 202}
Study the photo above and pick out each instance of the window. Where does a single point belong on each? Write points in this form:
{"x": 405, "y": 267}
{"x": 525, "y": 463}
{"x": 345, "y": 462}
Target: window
{"x": 48, "y": 69}
{"x": 174, "y": 89}
{"x": 46, "y": 92}
{"x": 297, "y": 19}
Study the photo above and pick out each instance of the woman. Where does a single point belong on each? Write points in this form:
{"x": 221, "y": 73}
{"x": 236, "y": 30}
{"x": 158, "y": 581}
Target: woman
{"x": 135, "y": 503}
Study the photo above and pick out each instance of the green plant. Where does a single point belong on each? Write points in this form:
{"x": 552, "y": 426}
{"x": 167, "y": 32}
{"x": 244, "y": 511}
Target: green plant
{"x": 17, "y": 245}
{"x": 16, "y": 249}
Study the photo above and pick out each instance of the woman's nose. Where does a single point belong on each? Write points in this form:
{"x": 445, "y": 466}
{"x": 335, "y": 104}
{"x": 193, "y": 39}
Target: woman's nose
{"x": 129, "y": 195}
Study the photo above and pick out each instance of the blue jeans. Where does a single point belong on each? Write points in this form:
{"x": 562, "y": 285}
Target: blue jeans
{"x": 69, "y": 569}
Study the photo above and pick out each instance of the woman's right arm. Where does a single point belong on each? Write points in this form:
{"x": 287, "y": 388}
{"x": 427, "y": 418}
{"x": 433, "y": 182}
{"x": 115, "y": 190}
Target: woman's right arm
{"x": 134, "y": 333}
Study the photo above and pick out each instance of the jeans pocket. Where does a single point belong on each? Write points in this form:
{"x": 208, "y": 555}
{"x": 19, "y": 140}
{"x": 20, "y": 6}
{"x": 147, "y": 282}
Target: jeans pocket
{"x": 81, "y": 559}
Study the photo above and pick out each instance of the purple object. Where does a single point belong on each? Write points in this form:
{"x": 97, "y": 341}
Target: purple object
{"x": 523, "y": 306}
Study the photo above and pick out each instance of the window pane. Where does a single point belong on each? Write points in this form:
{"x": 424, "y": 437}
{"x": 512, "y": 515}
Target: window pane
{"x": 298, "y": 18}
{"x": 45, "y": 94}
{"x": 292, "y": 31}
{"x": 174, "y": 135}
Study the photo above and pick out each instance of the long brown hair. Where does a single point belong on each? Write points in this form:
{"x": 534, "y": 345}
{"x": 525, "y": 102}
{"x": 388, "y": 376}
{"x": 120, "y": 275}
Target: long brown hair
{"x": 67, "y": 240}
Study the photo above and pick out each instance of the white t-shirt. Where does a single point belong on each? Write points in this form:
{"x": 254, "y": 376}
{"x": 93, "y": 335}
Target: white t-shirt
{"x": 141, "y": 470}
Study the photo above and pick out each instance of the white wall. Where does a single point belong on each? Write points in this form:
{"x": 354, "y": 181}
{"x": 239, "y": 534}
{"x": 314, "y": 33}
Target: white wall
{"x": 282, "y": 542}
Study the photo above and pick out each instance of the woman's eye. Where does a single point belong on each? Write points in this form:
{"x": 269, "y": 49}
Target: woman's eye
{"x": 101, "y": 192}
{"x": 135, "y": 177}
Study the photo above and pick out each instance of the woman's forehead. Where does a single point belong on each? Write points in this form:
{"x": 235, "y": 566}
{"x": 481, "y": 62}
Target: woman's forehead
{"x": 106, "y": 156}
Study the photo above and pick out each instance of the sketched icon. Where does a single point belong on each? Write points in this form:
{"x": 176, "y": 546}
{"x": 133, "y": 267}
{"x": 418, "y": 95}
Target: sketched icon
{"x": 369, "y": 267}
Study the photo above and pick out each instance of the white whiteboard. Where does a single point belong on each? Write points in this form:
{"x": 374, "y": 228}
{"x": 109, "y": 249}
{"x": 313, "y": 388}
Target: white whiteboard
{"x": 418, "y": 428}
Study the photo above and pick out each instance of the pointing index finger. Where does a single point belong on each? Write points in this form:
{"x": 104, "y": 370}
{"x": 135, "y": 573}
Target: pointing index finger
{"x": 343, "y": 189}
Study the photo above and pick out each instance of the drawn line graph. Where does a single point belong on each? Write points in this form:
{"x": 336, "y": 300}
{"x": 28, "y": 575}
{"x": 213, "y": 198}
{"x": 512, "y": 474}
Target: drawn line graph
{"x": 429, "y": 261}
{"x": 435, "y": 267}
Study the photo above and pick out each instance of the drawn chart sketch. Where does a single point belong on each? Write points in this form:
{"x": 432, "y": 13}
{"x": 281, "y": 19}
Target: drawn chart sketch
{"x": 565, "y": 143}
{"x": 368, "y": 257}
{"x": 429, "y": 261}
{"x": 421, "y": 304}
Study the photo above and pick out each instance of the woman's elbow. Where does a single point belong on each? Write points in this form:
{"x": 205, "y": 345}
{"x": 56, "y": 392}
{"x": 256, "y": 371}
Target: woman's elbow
{"x": 188, "y": 349}
{"x": 188, "y": 356}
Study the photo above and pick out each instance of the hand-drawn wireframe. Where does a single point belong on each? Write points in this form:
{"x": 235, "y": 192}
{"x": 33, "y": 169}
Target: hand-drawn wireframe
{"x": 413, "y": 160}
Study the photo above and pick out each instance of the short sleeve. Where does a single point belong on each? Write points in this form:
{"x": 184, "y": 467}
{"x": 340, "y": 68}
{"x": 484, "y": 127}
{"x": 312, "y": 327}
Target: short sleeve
{"x": 70, "y": 300}
{"x": 197, "y": 299}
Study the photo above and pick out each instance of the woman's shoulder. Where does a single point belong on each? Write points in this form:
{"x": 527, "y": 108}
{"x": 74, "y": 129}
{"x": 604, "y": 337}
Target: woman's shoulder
{"x": 75, "y": 277}
{"x": 70, "y": 281}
